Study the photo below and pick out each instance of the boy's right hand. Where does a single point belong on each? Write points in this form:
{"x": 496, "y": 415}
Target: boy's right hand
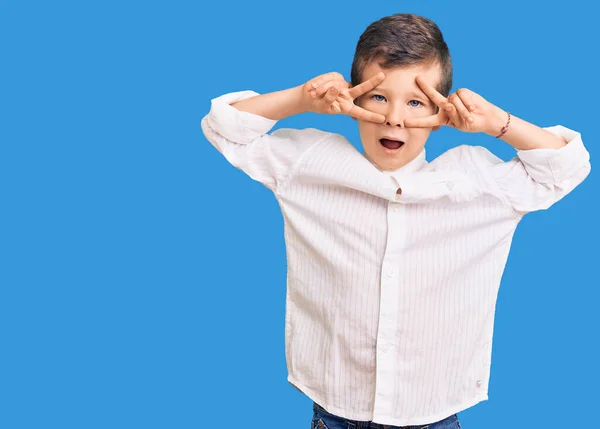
{"x": 330, "y": 94}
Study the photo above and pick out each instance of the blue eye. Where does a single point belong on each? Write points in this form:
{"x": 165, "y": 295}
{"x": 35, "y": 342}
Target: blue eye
{"x": 377, "y": 95}
{"x": 410, "y": 102}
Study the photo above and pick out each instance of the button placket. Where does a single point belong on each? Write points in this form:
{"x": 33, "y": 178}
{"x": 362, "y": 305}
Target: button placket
{"x": 391, "y": 275}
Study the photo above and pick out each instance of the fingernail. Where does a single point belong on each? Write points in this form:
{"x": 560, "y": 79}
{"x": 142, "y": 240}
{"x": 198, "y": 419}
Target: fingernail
{"x": 314, "y": 84}
{"x": 470, "y": 119}
{"x": 313, "y": 93}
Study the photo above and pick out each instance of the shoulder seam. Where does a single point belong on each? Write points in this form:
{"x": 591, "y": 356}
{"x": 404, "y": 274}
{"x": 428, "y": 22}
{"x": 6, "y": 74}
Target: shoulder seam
{"x": 285, "y": 182}
{"x": 501, "y": 194}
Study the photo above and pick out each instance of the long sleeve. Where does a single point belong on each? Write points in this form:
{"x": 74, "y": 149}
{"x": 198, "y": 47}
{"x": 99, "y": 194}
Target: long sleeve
{"x": 243, "y": 139}
{"x": 536, "y": 179}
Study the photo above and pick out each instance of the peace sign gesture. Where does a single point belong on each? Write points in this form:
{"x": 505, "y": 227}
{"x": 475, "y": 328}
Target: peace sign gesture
{"x": 331, "y": 94}
{"x": 464, "y": 110}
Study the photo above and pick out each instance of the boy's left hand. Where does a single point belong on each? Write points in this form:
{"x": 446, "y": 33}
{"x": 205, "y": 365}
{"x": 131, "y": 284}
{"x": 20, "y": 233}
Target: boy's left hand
{"x": 464, "y": 110}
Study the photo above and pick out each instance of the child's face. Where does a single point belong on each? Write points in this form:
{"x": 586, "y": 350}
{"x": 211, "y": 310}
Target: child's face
{"x": 397, "y": 97}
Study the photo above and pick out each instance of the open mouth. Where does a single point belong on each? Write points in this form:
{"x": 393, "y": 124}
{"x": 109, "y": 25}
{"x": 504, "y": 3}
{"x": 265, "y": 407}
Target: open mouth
{"x": 391, "y": 145}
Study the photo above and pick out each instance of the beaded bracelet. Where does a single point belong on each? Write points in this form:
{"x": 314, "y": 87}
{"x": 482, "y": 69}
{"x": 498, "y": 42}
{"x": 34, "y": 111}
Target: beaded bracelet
{"x": 504, "y": 128}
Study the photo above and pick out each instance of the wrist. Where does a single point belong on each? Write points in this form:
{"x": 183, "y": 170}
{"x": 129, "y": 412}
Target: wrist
{"x": 498, "y": 119}
{"x": 300, "y": 100}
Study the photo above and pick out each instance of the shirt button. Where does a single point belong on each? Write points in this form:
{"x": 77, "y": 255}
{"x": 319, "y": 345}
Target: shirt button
{"x": 391, "y": 273}
{"x": 450, "y": 185}
{"x": 396, "y": 208}
{"x": 478, "y": 384}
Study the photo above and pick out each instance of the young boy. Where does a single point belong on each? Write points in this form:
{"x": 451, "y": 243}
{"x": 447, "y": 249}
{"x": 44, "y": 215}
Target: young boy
{"x": 394, "y": 263}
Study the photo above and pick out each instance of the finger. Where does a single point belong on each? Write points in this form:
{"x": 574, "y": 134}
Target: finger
{"x": 329, "y": 103}
{"x": 366, "y": 86}
{"x": 331, "y": 95}
{"x": 452, "y": 114}
{"x": 424, "y": 122}
{"x": 323, "y": 88}
{"x": 465, "y": 96}
{"x": 431, "y": 92}
{"x": 319, "y": 80}
{"x": 335, "y": 106}
{"x": 460, "y": 107}
{"x": 365, "y": 115}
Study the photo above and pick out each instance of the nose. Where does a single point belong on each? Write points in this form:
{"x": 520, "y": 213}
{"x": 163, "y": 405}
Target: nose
{"x": 395, "y": 116}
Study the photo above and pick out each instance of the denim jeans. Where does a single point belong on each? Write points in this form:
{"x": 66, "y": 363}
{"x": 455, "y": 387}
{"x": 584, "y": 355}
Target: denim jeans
{"x": 325, "y": 420}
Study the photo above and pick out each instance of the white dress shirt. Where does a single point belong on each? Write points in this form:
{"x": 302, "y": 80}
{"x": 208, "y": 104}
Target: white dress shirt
{"x": 391, "y": 298}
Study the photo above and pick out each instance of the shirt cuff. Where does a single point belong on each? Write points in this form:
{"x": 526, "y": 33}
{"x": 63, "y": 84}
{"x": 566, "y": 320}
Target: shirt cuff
{"x": 553, "y": 166}
{"x": 233, "y": 124}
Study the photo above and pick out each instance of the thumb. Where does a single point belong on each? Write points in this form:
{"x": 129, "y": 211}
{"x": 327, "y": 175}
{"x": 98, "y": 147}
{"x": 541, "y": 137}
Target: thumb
{"x": 331, "y": 95}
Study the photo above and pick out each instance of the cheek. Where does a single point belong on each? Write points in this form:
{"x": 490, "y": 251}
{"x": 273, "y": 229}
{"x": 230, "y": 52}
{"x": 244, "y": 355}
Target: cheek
{"x": 422, "y": 112}
{"x": 373, "y": 106}
{"x": 365, "y": 126}
{"x": 420, "y": 134}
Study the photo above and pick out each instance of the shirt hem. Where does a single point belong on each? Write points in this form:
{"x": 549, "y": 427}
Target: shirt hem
{"x": 364, "y": 417}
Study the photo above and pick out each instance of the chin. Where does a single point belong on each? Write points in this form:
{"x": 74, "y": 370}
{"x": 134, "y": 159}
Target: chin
{"x": 388, "y": 164}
